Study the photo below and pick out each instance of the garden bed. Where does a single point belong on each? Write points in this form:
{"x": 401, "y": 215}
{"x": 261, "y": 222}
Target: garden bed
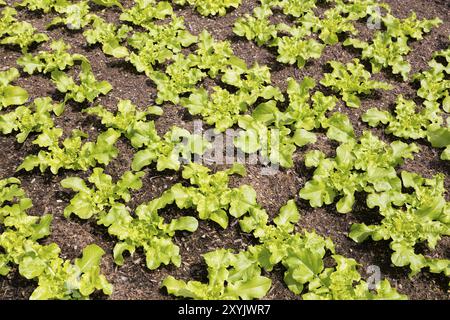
{"x": 133, "y": 280}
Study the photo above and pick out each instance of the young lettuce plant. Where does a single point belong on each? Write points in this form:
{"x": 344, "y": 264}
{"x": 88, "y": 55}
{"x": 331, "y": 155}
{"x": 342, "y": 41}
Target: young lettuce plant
{"x": 73, "y": 12}
{"x": 145, "y": 12}
{"x": 211, "y": 7}
{"x": 409, "y": 219}
{"x": 340, "y": 20}
{"x": 73, "y": 155}
{"x": 434, "y": 82}
{"x": 276, "y": 144}
{"x": 306, "y": 111}
{"x": 109, "y": 36}
{"x": 11, "y": 95}
{"x": 359, "y": 9}
{"x": 256, "y": 27}
{"x": 253, "y": 83}
{"x": 434, "y": 87}
{"x": 367, "y": 165}
{"x": 334, "y": 24}
{"x": 292, "y": 49}
{"x": 210, "y": 195}
{"x": 18, "y": 33}
{"x": 350, "y": 80}
{"x": 48, "y": 61}
{"x": 222, "y": 109}
{"x": 56, "y": 278}
{"x": 295, "y": 8}
{"x": 128, "y": 120}
{"x": 159, "y": 44}
{"x": 214, "y": 56}
{"x": 344, "y": 282}
{"x": 168, "y": 152}
{"x": 88, "y": 89}
{"x": 45, "y": 6}
{"x": 146, "y": 229}
{"x": 231, "y": 276}
{"x": 74, "y": 16}
{"x": 89, "y": 202}
{"x": 388, "y": 48}
{"x": 28, "y": 119}
{"x": 407, "y": 122}
{"x": 180, "y": 77}
{"x": 108, "y": 3}
{"x": 276, "y": 134}
{"x": 439, "y": 137}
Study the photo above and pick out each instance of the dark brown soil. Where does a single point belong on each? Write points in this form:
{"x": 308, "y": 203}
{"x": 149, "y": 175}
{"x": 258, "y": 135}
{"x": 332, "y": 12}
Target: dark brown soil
{"x": 134, "y": 280}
